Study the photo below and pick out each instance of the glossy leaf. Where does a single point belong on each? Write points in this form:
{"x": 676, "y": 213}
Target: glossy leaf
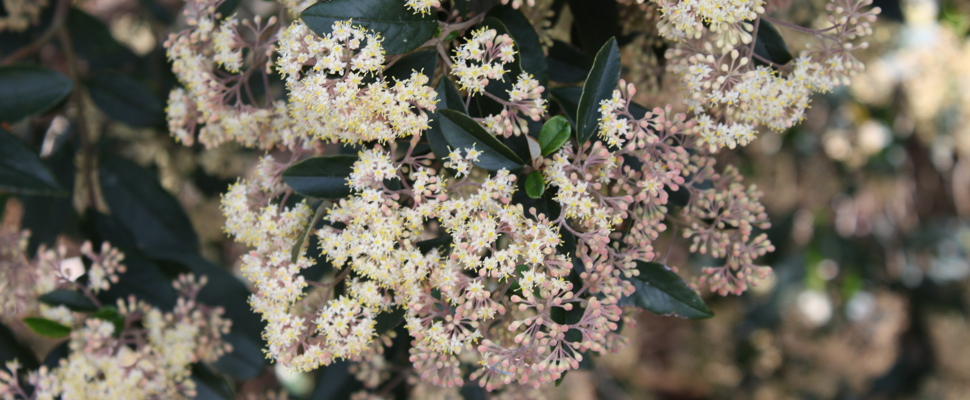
{"x": 21, "y": 170}
{"x": 770, "y": 45}
{"x": 111, "y": 314}
{"x": 401, "y": 29}
{"x": 535, "y": 185}
{"x": 419, "y": 61}
{"x": 142, "y": 209}
{"x": 568, "y": 100}
{"x": 597, "y": 21}
{"x": 450, "y": 99}
{"x": 462, "y": 132}
{"x": 321, "y": 177}
{"x": 555, "y": 132}
{"x": 125, "y": 99}
{"x": 93, "y": 41}
{"x": 245, "y": 361}
{"x": 209, "y": 385}
{"x": 663, "y": 292}
{"x": 11, "y": 348}
{"x": 73, "y": 300}
{"x": 30, "y": 90}
{"x": 600, "y": 84}
{"x": 533, "y": 59}
{"x": 47, "y": 328}
{"x": 388, "y": 320}
{"x": 566, "y": 63}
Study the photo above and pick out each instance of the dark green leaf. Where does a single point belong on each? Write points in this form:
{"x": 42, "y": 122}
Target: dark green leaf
{"x": 245, "y": 361}
{"x": 30, "y": 90}
{"x": 597, "y": 22}
{"x": 335, "y": 382}
{"x": 142, "y": 209}
{"x": 567, "y": 64}
{"x": 92, "y": 39}
{"x": 11, "y": 348}
{"x": 47, "y": 328}
{"x": 663, "y": 292}
{"x": 401, "y": 28}
{"x": 535, "y": 186}
{"x": 448, "y": 98}
{"x": 224, "y": 289}
{"x": 111, "y": 314}
{"x": 76, "y": 301}
{"x": 21, "y": 170}
{"x": 568, "y": 99}
{"x": 533, "y": 59}
{"x": 462, "y": 132}
{"x": 301, "y": 241}
{"x": 142, "y": 278}
{"x": 125, "y": 99}
{"x": 48, "y": 216}
{"x": 387, "y": 321}
{"x": 321, "y": 177}
{"x": 209, "y": 385}
{"x": 554, "y": 134}
{"x": 770, "y": 45}
{"x": 420, "y": 61}
{"x": 600, "y": 84}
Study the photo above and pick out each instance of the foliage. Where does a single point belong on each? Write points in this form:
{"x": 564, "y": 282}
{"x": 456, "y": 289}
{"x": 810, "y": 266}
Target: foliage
{"x": 456, "y": 191}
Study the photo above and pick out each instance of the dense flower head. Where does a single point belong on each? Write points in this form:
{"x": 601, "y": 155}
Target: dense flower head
{"x": 343, "y": 96}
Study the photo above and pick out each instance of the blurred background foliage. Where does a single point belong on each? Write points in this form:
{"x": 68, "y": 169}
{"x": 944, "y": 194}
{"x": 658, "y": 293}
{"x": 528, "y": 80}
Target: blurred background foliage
{"x": 869, "y": 198}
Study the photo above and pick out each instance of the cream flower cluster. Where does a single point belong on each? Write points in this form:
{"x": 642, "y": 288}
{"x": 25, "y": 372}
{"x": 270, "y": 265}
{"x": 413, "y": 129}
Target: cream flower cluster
{"x": 147, "y": 353}
{"x": 214, "y": 109}
{"x": 21, "y": 14}
{"x": 720, "y": 218}
{"x": 423, "y": 6}
{"x": 683, "y": 19}
{"x": 481, "y": 59}
{"x": 343, "y": 97}
{"x": 731, "y": 96}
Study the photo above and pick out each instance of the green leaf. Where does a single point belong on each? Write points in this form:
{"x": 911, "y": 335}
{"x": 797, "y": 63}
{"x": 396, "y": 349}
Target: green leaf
{"x": 47, "y": 328}
{"x": 566, "y": 63}
{"x": 301, "y": 241}
{"x": 125, "y": 99}
{"x": 568, "y": 100}
{"x": 535, "y": 186}
{"x": 770, "y": 45}
{"x": 245, "y": 361}
{"x": 143, "y": 213}
{"x": 387, "y": 321}
{"x": 11, "y": 348}
{"x": 93, "y": 41}
{"x": 21, "y": 170}
{"x": 321, "y": 177}
{"x": 209, "y": 385}
{"x": 500, "y": 87}
{"x": 73, "y": 300}
{"x": 462, "y": 132}
{"x": 554, "y": 134}
{"x": 450, "y": 99}
{"x": 111, "y": 314}
{"x": 596, "y": 22}
{"x": 420, "y": 61}
{"x": 401, "y": 29}
{"x": 663, "y": 292}
{"x": 29, "y": 90}
{"x": 532, "y": 57}
{"x": 600, "y": 84}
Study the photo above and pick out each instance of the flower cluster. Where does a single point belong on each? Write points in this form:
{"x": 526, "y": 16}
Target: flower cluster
{"x": 343, "y": 97}
{"x": 21, "y": 14}
{"x": 483, "y": 59}
{"x": 128, "y": 350}
{"x": 732, "y": 89}
{"x": 214, "y": 107}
